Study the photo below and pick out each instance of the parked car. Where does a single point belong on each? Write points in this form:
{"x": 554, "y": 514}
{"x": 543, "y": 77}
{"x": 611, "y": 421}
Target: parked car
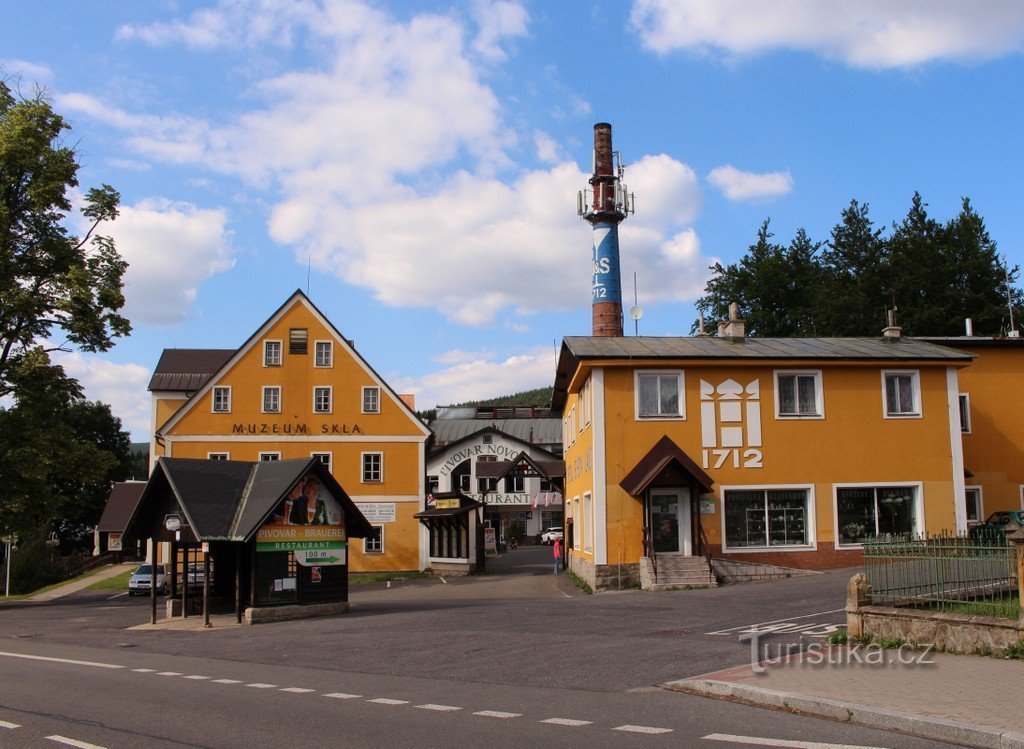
{"x": 549, "y": 535}
{"x": 1003, "y": 521}
{"x": 141, "y": 579}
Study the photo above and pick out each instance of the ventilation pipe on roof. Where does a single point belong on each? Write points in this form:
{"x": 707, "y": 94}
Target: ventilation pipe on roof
{"x": 892, "y": 332}
{"x": 968, "y": 327}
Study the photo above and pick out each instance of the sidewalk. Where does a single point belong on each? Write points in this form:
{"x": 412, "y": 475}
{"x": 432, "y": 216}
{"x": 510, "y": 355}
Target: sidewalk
{"x": 74, "y": 586}
{"x": 962, "y": 699}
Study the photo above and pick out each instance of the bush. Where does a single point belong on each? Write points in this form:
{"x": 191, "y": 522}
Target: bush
{"x": 34, "y": 565}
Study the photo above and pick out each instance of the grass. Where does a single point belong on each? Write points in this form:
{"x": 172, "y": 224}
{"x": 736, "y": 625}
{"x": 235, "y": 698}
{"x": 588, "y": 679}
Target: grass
{"x": 837, "y": 638}
{"x": 580, "y": 582}
{"x": 1007, "y": 608}
{"x": 380, "y": 577}
{"x": 120, "y": 582}
{"x": 61, "y": 584}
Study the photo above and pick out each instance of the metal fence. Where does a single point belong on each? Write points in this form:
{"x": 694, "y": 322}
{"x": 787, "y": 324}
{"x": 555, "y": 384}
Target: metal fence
{"x": 961, "y": 574}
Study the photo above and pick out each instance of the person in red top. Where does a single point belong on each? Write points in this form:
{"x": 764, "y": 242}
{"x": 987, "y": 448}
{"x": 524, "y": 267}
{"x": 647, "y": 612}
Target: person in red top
{"x": 558, "y": 555}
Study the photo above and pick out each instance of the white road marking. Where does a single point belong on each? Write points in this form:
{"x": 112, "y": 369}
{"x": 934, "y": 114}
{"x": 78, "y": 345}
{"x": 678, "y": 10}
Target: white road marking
{"x": 144, "y": 670}
{"x": 388, "y": 701}
{"x": 261, "y": 685}
{"x": 118, "y": 596}
{"x": 443, "y": 580}
{"x": 296, "y": 690}
{"x": 227, "y": 681}
{"x": 439, "y": 708}
{"x": 5, "y": 724}
{"x": 168, "y": 673}
{"x": 641, "y": 729}
{"x": 60, "y": 660}
{"x": 389, "y": 583}
{"x": 773, "y": 621}
{"x": 73, "y": 742}
{"x": 498, "y": 714}
{"x": 567, "y": 722}
{"x": 343, "y": 696}
{"x": 761, "y": 741}
{"x": 195, "y": 677}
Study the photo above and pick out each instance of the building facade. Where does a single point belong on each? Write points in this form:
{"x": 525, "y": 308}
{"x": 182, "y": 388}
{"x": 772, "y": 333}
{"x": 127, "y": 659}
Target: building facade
{"x": 296, "y": 389}
{"x": 781, "y": 451}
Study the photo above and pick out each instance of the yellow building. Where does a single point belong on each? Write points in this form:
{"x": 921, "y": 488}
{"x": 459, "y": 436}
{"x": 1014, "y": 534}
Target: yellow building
{"x": 992, "y": 423}
{"x": 786, "y": 452}
{"x": 295, "y": 389}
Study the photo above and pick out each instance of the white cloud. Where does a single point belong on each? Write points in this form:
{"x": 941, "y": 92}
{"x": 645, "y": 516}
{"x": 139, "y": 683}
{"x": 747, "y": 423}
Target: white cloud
{"x": 29, "y": 72}
{"x": 498, "y": 20}
{"x": 123, "y": 386}
{"x": 866, "y": 33}
{"x": 548, "y": 150}
{"x": 482, "y": 377}
{"x": 171, "y": 248}
{"x": 737, "y": 185}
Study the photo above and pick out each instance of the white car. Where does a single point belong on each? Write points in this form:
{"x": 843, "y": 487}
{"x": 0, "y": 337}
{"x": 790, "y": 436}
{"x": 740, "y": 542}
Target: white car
{"x": 141, "y": 579}
{"x": 549, "y": 535}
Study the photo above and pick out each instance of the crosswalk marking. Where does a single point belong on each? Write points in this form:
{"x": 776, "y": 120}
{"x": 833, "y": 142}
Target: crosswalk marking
{"x": 497, "y": 714}
{"x": 567, "y": 722}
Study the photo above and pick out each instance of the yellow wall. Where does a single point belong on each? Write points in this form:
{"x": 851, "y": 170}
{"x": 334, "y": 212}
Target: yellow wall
{"x": 578, "y": 454}
{"x": 852, "y": 444}
{"x": 994, "y": 449}
{"x": 297, "y": 431}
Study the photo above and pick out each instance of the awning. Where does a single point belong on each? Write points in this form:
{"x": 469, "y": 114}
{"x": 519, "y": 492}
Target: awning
{"x": 663, "y": 455}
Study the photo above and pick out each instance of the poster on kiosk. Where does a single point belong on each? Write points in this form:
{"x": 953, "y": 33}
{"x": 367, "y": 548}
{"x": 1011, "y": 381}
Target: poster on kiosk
{"x": 310, "y": 523}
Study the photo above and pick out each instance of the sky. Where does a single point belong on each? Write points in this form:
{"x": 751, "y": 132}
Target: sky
{"x": 415, "y": 165}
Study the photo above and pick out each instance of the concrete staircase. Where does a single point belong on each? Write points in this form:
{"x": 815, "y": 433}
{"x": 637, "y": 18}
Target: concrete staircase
{"x": 676, "y": 572}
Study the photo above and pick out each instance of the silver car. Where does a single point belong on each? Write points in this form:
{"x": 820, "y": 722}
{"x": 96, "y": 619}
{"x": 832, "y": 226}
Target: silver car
{"x": 141, "y": 579}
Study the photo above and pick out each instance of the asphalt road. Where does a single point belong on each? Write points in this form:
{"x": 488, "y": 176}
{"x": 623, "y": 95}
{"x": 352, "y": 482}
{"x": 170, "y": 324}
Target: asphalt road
{"x": 491, "y": 660}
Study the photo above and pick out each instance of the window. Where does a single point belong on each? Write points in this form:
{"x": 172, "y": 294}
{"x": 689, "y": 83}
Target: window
{"x": 659, "y": 395}
{"x": 964, "y": 401}
{"x": 222, "y": 400}
{"x": 271, "y": 399}
{"x": 545, "y": 485}
{"x": 798, "y": 395}
{"x": 588, "y": 400}
{"x": 975, "y": 509}
{"x": 433, "y": 482}
{"x": 324, "y": 354}
{"x": 866, "y": 511}
{"x": 463, "y": 482}
{"x": 218, "y": 456}
{"x": 488, "y": 439}
{"x": 371, "y": 400}
{"x": 902, "y": 394}
{"x": 374, "y": 543}
{"x": 487, "y": 485}
{"x": 298, "y": 341}
{"x": 271, "y": 353}
{"x": 515, "y": 484}
{"x": 325, "y": 458}
{"x": 588, "y": 523}
{"x": 577, "y": 531}
{"x": 373, "y": 467}
{"x": 766, "y": 518}
{"x": 270, "y": 456}
{"x": 322, "y": 400}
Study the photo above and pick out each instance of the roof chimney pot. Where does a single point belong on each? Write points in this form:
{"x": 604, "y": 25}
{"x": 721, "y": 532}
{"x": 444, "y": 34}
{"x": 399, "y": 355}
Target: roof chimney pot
{"x": 734, "y": 328}
{"x": 892, "y": 332}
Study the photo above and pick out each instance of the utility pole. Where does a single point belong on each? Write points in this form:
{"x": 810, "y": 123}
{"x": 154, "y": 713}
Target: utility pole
{"x": 9, "y": 542}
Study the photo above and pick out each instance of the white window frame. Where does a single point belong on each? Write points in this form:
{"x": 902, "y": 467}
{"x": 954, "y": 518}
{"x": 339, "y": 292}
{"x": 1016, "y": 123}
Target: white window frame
{"x": 266, "y": 351}
{"x": 577, "y": 533}
{"x": 329, "y": 465}
{"x": 810, "y": 522}
{"x": 916, "y": 383}
{"x": 488, "y": 439}
{"x": 965, "y": 428}
{"x": 919, "y": 524}
{"x": 330, "y": 354}
{"x": 213, "y": 399}
{"x": 981, "y": 503}
{"x": 226, "y": 454}
{"x": 819, "y": 395}
{"x": 266, "y": 455}
{"x": 681, "y": 383}
{"x": 375, "y": 551}
{"x": 588, "y": 522}
{"x": 330, "y": 399}
{"x": 514, "y": 481}
{"x": 263, "y": 399}
{"x": 364, "y": 392}
{"x": 362, "y": 467}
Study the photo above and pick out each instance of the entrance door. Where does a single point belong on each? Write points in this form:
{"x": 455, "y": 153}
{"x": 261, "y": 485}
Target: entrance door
{"x": 670, "y": 521}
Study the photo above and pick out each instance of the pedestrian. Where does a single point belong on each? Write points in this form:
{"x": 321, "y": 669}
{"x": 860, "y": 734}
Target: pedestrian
{"x": 558, "y": 555}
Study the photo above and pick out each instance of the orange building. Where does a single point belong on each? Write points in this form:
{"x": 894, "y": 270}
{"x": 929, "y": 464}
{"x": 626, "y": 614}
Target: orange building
{"x": 786, "y": 452}
{"x": 297, "y": 388}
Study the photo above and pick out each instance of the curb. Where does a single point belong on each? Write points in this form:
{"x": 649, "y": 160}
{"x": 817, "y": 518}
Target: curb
{"x": 939, "y": 729}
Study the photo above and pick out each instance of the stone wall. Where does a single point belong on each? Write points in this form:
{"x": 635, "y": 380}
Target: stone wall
{"x": 284, "y": 613}
{"x": 605, "y": 577}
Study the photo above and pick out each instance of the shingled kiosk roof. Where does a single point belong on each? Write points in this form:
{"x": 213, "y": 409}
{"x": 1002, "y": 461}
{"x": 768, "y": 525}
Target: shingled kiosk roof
{"x": 228, "y": 500}
{"x": 124, "y": 498}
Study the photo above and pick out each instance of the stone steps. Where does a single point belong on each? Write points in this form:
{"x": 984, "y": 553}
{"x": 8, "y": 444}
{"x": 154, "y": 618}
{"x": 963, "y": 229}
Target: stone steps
{"x": 675, "y": 572}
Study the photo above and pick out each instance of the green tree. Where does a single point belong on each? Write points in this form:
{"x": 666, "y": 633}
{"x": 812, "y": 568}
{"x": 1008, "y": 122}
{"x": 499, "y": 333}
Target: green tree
{"x": 53, "y": 283}
{"x": 854, "y": 293}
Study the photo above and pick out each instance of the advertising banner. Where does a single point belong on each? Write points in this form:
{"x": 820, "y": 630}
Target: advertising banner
{"x": 309, "y": 519}
{"x": 113, "y": 542}
{"x": 607, "y": 283}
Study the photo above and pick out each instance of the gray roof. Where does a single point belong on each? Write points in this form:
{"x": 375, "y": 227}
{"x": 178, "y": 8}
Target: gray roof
{"x": 577, "y": 348}
{"x": 124, "y": 498}
{"x": 186, "y": 369}
{"x": 545, "y": 431}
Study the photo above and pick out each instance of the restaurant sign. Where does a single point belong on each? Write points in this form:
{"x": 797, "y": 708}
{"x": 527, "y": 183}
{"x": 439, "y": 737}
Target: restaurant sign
{"x": 309, "y": 519}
